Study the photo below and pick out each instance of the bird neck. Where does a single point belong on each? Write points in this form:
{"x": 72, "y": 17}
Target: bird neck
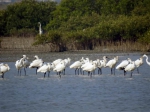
{"x": 40, "y": 27}
{"x": 147, "y": 60}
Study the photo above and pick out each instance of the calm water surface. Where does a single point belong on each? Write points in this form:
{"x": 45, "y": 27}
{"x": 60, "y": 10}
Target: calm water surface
{"x": 74, "y": 93}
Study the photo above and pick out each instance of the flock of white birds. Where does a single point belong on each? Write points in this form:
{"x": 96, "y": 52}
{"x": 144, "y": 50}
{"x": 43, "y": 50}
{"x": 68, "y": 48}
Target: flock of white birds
{"x": 80, "y": 66}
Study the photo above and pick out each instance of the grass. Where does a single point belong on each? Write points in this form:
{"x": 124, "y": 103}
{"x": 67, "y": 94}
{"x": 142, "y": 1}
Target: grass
{"x": 15, "y": 44}
{"x": 123, "y": 47}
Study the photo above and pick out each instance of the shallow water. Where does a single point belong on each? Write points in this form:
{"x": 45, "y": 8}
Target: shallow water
{"x": 74, "y": 93}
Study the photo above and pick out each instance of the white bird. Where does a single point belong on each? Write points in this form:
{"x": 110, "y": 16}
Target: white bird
{"x": 45, "y": 68}
{"x": 112, "y": 63}
{"x": 86, "y": 60}
{"x": 138, "y": 63}
{"x": 102, "y": 63}
{"x": 59, "y": 68}
{"x": 77, "y": 65}
{"x": 50, "y": 68}
{"x": 130, "y": 67}
{"x": 97, "y": 63}
{"x": 3, "y": 69}
{"x": 36, "y": 63}
{"x": 26, "y": 63}
{"x": 67, "y": 61}
{"x": 56, "y": 62}
{"x": 19, "y": 65}
{"x": 90, "y": 68}
{"x": 123, "y": 64}
{"x": 85, "y": 63}
{"x": 40, "y": 29}
{"x": 146, "y": 59}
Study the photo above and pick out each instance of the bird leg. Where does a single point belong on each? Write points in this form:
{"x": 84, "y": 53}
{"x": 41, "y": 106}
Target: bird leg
{"x": 48, "y": 73}
{"x": 124, "y": 72}
{"x": 114, "y": 70}
{"x": 91, "y": 75}
{"x": 80, "y": 70}
{"x": 75, "y": 71}
{"x": 3, "y": 75}
{"x": 131, "y": 74}
{"x": 64, "y": 71}
{"x": 111, "y": 71}
{"x": 137, "y": 70}
{"x": 36, "y": 70}
{"x": 20, "y": 72}
{"x": 100, "y": 71}
{"x": 25, "y": 71}
{"x": 44, "y": 74}
{"x": 59, "y": 74}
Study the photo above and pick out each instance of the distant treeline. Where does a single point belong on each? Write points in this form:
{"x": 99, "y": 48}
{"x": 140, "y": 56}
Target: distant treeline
{"x": 80, "y": 23}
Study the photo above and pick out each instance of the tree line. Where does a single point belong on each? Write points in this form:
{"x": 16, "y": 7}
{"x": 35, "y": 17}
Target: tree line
{"x": 80, "y": 23}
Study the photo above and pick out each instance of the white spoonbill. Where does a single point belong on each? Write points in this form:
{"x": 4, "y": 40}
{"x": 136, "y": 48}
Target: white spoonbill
{"x": 50, "y": 67}
{"x": 59, "y": 68}
{"x": 102, "y": 63}
{"x": 3, "y": 69}
{"x": 112, "y": 63}
{"x": 146, "y": 59}
{"x": 138, "y": 63}
{"x": 67, "y": 61}
{"x": 26, "y": 63}
{"x": 123, "y": 64}
{"x": 36, "y": 63}
{"x": 77, "y": 66}
{"x": 19, "y": 65}
{"x": 97, "y": 63}
{"x": 90, "y": 68}
{"x": 130, "y": 67}
{"x": 45, "y": 68}
{"x": 86, "y": 62}
{"x": 55, "y": 62}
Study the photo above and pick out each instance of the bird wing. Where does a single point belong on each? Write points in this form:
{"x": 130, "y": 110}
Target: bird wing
{"x": 122, "y": 65}
{"x": 43, "y": 68}
{"x": 76, "y": 64}
{"x": 109, "y": 64}
{"x": 59, "y": 67}
{"x": 36, "y": 63}
{"x": 130, "y": 67}
{"x": 89, "y": 67}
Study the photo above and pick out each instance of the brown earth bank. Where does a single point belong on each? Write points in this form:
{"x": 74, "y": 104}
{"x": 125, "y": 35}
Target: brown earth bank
{"x": 21, "y": 45}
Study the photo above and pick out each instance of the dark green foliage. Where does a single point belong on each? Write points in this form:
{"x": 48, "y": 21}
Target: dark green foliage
{"x": 27, "y": 14}
{"x": 24, "y": 32}
{"x": 80, "y": 22}
{"x": 145, "y": 39}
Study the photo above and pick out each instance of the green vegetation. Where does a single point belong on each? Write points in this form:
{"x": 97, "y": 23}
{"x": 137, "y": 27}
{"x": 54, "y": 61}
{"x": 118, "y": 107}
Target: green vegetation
{"x": 83, "y": 24}
{"x": 25, "y": 15}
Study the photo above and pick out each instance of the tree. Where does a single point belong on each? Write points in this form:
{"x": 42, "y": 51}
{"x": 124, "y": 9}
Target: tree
{"x": 27, "y": 14}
